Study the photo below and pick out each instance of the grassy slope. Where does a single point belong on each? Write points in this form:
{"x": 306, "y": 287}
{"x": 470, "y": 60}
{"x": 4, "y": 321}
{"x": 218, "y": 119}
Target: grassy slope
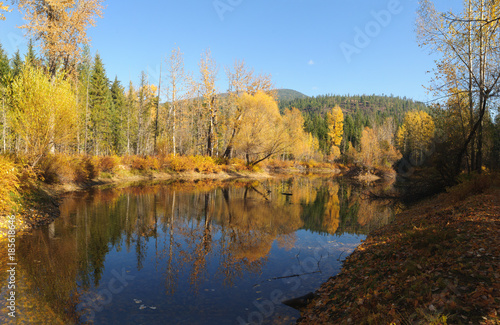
{"x": 438, "y": 263}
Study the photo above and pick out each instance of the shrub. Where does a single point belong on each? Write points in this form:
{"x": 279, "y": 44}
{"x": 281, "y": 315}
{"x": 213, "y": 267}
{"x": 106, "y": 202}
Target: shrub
{"x": 9, "y": 184}
{"x": 205, "y": 164}
{"x": 85, "y": 169}
{"x": 56, "y": 169}
{"x": 142, "y": 163}
{"x": 179, "y": 163}
{"x": 109, "y": 164}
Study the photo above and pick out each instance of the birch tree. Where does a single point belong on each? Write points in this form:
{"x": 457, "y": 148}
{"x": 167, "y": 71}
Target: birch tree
{"x": 208, "y": 71}
{"x": 61, "y": 26}
{"x": 177, "y": 90}
{"x": 468, "y": 43}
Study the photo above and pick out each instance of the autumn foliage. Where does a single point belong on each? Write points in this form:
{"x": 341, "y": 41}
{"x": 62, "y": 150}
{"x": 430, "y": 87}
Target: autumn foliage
{"x": 9, "y": 183}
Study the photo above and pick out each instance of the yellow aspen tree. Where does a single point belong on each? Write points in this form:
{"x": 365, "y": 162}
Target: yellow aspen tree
{"x": 42, "y": 112}
{"x": 335, "y": 120}
{"x": 416, "y": 133}
{"x": 298, "y": 139}
{"x": 61, "y": 26}
{"x": 262, "y": 133}
{"x": 241, "y": 80}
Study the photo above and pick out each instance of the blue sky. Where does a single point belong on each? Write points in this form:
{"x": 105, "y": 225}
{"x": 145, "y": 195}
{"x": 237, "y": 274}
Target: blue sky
{"x": 315, "y": 46}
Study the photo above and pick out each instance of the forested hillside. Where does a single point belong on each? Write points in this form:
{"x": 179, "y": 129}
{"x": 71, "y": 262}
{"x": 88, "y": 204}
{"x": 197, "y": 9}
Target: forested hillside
{"x": 360, "y": 111}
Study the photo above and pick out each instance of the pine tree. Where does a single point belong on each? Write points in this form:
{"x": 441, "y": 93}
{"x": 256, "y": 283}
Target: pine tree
{"x": 99, "y": 104}
{"x": 4, "y": 66}
{"x": 118, "y": 124}
{"x": 16, "y": 64}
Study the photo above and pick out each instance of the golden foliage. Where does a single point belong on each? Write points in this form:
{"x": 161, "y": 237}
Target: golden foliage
{"x": 43, "y": 112}
{"x": 261, "y": 133}
{"x": 335, "y": 129}
{"x": 61, "y": 26}
{"x": 9, "y": 183}
{"x": 61, "y": 168}
{"x": 3, "y": 7}
{"x": 416, "y": 133}
{"x": 377, "y": 146}
{"x": 301, "y": 145}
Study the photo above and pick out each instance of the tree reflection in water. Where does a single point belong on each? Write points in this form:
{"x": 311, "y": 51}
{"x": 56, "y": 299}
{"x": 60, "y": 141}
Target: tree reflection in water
{"x": 192, "y": 232}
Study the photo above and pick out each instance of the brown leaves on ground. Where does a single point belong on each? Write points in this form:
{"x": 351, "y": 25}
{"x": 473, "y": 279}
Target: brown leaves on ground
{"x": 438, "y": 263}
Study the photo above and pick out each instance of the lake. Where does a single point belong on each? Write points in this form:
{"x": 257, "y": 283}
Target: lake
{"x": 189, "y": 252}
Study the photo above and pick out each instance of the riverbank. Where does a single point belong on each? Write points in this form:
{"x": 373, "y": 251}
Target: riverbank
{"x": 437, "y": 263}
{"x": 38, "y": 196}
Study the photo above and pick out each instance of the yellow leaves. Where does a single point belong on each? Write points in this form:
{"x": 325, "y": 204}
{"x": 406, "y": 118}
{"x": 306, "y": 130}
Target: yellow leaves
{"x": 301, "y": 144}
{"x": 61, "y": 26}
{"x": 416, "y": 132}
{"x": 335, "y": 128}
{"x": 9, "y": 183}
{"x": 261, "y": 132}
{"x": 3, "y": 7}
{"x": 43, "y": 111}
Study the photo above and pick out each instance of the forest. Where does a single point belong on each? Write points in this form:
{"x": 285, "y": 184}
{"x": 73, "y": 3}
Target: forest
{"x": 59, "y": 107}
{"x": 204, "y": 140}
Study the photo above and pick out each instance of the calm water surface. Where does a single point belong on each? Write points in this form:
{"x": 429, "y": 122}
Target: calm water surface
{"x": 203, "y": 252}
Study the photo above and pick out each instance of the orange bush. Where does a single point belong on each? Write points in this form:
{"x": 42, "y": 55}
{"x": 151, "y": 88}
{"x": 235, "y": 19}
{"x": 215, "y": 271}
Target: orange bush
{"x": 142, "y": 163}
{"x": 109, "y": 163}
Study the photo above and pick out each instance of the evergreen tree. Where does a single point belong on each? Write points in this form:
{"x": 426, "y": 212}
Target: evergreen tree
{"x": 118, "y": 124}
{"x": 30, "y": 57}
{"x": 4, "y": 67}
{"x": 84, "y": 71}
{"x": 99, "y": 105}
{"x": 16, "y": 64}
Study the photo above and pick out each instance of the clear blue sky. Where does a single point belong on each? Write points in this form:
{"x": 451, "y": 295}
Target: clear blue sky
{"x": 303, "y": 44}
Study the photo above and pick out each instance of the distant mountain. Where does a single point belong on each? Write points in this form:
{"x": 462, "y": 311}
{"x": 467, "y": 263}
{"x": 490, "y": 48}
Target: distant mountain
{"x": 286, "y": 95}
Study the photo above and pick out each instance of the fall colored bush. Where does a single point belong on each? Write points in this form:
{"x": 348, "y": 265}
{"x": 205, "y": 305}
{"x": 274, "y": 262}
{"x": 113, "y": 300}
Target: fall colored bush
{"x": 9, "y": 183}
{"x": 63, "y": 168}
{"x": 200, "y": 164}
{"x": 109, "y": 163}
{"x": 85, "y": 169}
{"x": 139, "y": 163}
{"x": 278, "y": 163}
{"x": 56, "y": 169}
{"x": 238, "y": 164}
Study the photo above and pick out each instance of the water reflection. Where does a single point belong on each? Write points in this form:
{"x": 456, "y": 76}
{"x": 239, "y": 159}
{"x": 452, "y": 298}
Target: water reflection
{"x": 188, "y": 251}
